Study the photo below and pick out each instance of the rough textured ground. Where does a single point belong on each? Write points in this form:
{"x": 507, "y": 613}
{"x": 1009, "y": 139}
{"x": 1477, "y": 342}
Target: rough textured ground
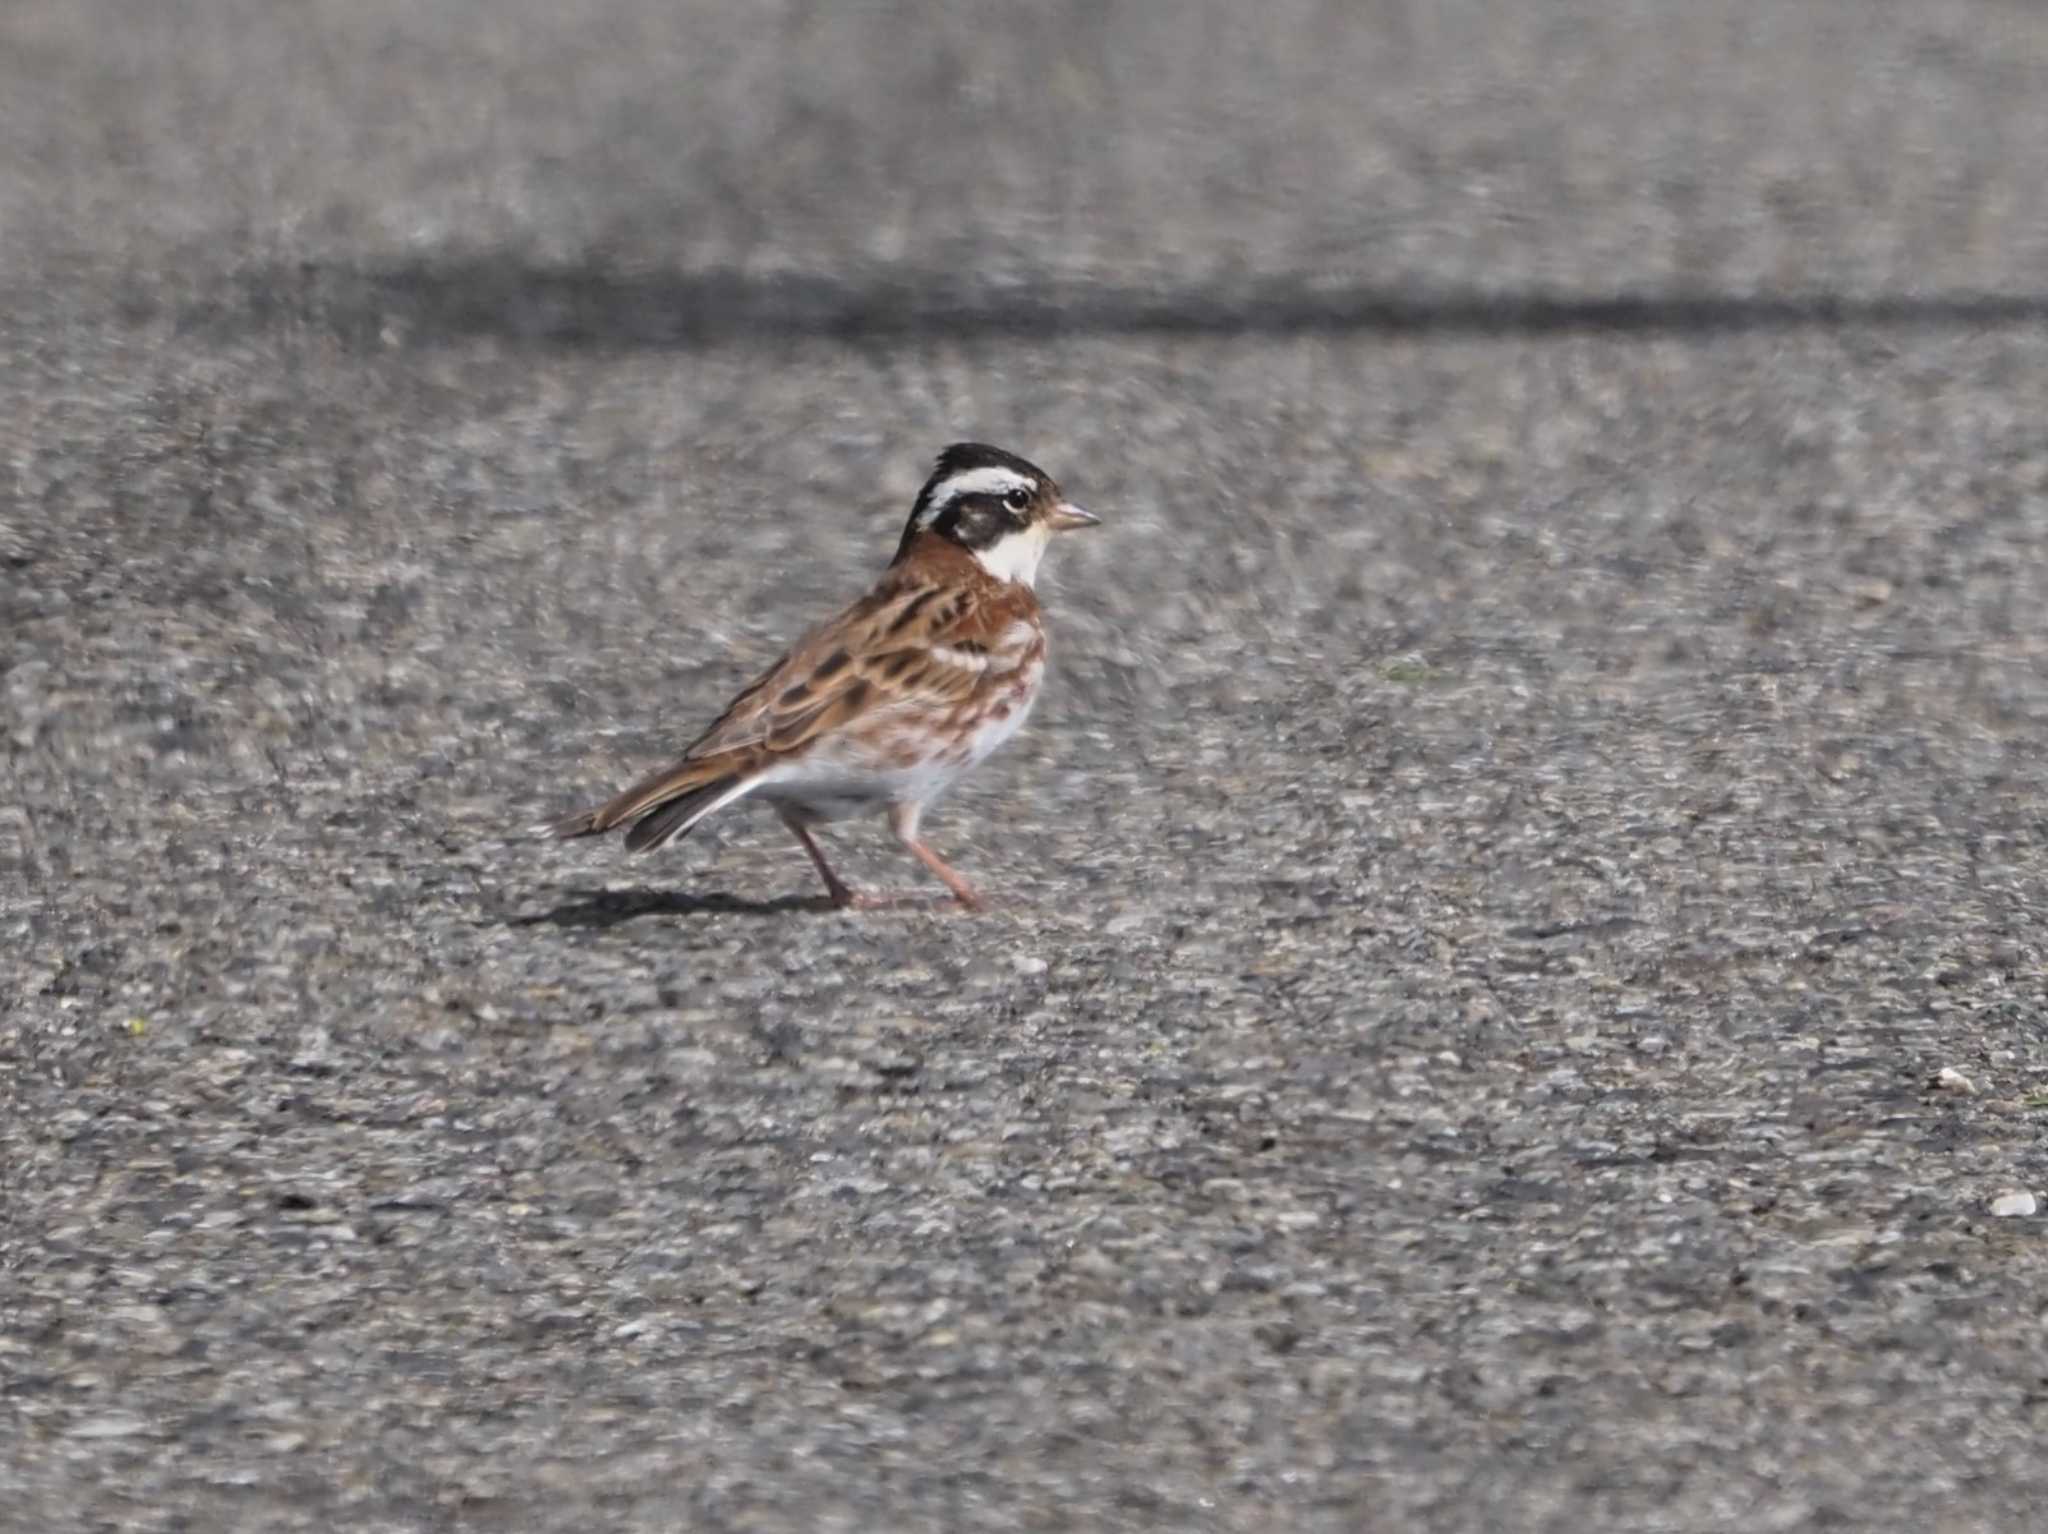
{"x": 1544, "y": 770}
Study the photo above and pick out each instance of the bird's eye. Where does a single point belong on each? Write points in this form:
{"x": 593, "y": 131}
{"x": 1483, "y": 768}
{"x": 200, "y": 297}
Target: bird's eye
{"x": 1017, "y": 499}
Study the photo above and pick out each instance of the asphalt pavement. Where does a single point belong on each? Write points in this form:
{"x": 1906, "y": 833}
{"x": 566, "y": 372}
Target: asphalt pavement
{"x": 1517, "y": 994}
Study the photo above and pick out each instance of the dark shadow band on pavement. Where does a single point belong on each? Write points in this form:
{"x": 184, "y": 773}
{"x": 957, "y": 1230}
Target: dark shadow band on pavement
{"x": 594, "y": 307}
{"x": 610, "y": 907}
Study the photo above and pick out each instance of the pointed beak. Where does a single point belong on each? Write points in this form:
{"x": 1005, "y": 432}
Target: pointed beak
{"x": 1066, "y": 517}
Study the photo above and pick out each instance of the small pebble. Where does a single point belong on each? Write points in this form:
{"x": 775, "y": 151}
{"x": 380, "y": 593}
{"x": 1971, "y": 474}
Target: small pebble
{"x": 2011, "y": 1205}
{"x": 1953, "y": 1080}
{"x": 108, "y": 1427}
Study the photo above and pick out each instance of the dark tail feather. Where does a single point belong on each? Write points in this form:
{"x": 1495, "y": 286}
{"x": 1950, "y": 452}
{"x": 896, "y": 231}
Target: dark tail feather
{"x": 676, "y": 817}
{"x": 661, "y": 806}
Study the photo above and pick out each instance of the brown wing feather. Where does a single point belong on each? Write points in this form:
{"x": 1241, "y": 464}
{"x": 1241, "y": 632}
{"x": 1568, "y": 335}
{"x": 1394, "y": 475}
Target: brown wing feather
{"x": 875, "y": 655}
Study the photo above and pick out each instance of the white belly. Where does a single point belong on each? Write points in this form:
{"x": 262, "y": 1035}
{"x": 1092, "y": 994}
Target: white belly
{"x": 821, "y": 791}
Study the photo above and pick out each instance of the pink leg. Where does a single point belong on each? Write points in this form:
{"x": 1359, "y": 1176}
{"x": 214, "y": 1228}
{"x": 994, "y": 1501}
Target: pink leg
{"x": 903, "y": 821}
{"x": 842, "y": 896}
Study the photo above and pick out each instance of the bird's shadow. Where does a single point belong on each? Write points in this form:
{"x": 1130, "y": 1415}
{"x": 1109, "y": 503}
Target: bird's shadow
{"x": 609, "y": 907}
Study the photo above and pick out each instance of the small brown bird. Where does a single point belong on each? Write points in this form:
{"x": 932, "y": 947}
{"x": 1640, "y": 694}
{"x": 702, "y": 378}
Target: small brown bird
{"x": 890, "y": 702}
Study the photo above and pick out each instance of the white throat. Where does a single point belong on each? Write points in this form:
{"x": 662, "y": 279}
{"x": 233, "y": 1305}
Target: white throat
{"x": 1015, "y": 556}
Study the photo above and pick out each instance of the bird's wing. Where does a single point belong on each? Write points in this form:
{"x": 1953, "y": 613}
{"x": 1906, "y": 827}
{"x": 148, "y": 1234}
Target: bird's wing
{"x": 919, "y": 641}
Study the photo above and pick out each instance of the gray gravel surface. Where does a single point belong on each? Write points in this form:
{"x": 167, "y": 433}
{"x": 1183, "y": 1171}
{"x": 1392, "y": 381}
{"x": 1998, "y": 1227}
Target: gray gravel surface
{"x": 1543, "y": 770}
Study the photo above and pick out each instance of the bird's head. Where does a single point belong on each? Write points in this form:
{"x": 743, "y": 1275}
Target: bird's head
{"x": 1000, "y": 508}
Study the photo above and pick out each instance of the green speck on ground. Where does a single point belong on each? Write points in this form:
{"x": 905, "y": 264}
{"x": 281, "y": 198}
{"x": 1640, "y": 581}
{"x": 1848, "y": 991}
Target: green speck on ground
{"x": 1414, "y": 673}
